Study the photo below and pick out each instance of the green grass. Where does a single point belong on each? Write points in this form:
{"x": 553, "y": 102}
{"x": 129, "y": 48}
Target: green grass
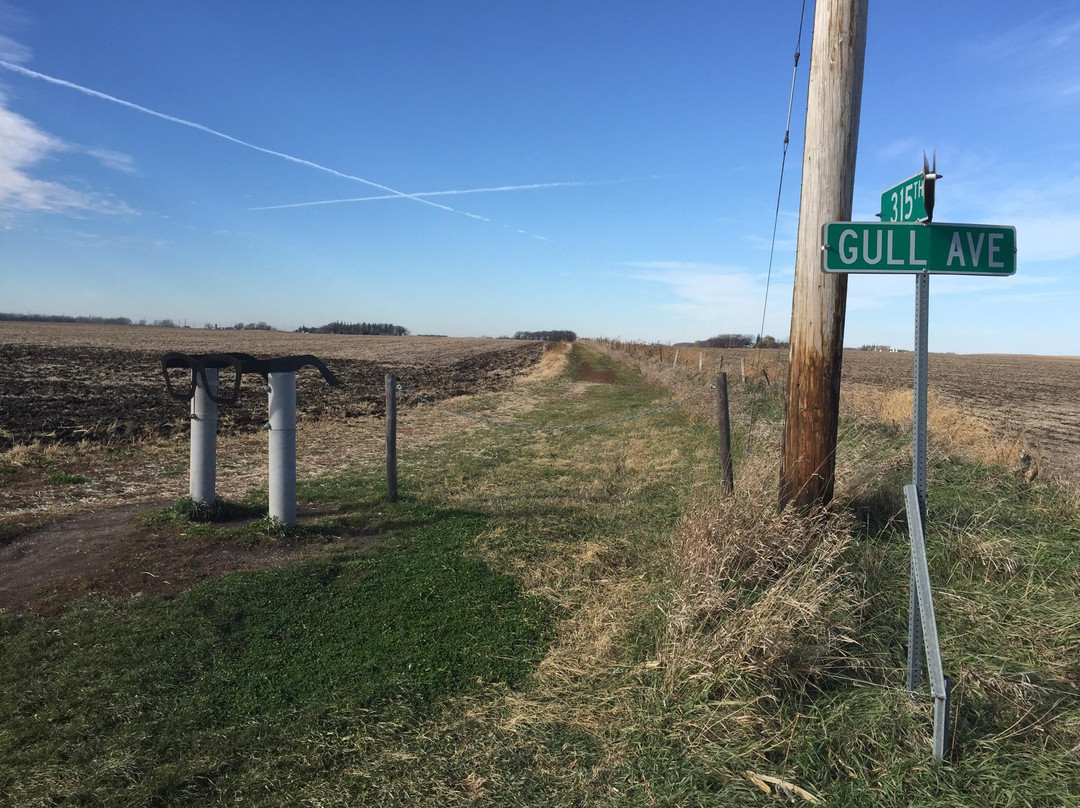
{"x": 63, "y": 478}
{"x": 228, "y": 668}
{"x": 220, "y": 510}
{"x": 508, "y": 639}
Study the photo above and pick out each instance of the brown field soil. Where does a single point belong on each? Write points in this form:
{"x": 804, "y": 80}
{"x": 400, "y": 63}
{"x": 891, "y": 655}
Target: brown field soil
{"x": 1020, "y": 400}
{"x": 64, "y": 382}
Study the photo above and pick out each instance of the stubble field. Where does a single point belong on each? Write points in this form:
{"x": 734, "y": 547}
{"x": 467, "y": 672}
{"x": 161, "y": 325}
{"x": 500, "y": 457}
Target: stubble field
{"x": 1015, "y": 400}
{"x": 1030, "y": 401}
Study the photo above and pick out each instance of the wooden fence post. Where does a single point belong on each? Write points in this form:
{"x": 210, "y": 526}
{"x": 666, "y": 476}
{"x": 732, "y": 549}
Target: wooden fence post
{"x": 727, "y": 470}
{"x": 391, "y": 437}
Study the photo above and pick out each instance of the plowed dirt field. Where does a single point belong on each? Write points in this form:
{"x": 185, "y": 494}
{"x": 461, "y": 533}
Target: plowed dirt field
{"x": 67, "y": 382}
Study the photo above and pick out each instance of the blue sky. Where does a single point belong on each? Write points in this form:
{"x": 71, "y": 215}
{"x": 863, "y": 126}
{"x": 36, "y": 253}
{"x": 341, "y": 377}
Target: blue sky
{"x": 655, "y": 130}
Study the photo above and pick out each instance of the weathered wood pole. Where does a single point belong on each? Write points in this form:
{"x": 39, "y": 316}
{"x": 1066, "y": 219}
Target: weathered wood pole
{"x": 727, "y": 469}
{"x": 808, "y": 464}
{"x": 391, "y": 437}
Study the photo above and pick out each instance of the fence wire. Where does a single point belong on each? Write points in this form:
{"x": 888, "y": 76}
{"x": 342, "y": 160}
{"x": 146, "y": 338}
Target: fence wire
{"x": 548, "y": 427}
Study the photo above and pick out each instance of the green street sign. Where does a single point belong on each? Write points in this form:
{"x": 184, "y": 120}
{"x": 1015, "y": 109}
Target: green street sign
{"x": 904, "y": 202}
{"x": 939, "y": 248}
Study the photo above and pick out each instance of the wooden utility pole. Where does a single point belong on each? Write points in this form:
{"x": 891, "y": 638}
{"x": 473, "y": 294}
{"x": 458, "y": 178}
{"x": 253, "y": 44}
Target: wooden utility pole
{"x": 808, "y": 464}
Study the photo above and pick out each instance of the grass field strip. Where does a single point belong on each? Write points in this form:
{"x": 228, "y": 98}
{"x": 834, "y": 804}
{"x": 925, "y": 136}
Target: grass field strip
{"x": 555, "y": 427}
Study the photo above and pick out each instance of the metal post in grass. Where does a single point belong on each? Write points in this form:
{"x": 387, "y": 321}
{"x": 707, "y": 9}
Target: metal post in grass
{"x": 727, "y": 469}
{"x": 204, "y": 418}
{"x": 940, "y": 686}
{"x": 282, "y": 428}
{"x": 391, "y": 437}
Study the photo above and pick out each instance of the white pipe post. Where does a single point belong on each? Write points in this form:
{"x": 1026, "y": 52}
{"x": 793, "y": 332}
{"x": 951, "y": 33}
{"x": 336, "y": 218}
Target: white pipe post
{"x": 282, "y": 427}
{"x": 204, "y": 418}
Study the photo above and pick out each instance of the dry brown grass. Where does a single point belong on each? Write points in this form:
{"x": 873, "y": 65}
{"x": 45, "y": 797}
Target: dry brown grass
{"x": 551, "y": 364}
{"x": 763, "y": 599}
{"x": 951, "y": 428}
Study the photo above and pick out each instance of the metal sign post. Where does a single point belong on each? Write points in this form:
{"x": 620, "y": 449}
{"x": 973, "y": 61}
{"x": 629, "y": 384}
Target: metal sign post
{"x": 918, "y": 465}
{"x": 908, "y": 241}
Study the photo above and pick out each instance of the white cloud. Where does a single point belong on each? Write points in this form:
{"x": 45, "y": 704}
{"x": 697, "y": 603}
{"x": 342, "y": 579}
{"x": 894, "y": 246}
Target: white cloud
{"x": 712, "y": 298}
{"x": 12, "y": 51}
{"x": 22, "y": 147}
{"x": 866, "y": 292}
{"x": 118, "y": 161}
{"x": 1047, "y": 238}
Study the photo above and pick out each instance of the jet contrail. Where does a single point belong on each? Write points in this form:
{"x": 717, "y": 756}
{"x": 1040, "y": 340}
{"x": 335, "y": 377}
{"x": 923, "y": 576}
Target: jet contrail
{"x": 444, "y": 193}
{"x": 173, "y": 119}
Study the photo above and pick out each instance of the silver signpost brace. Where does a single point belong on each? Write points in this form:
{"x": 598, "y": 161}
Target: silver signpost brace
{"x": 922, "y": 624}
{"x": 939, "y": 685}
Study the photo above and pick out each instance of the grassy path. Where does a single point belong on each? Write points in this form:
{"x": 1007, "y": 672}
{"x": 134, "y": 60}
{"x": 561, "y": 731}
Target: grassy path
{"x": 451, "y": 664}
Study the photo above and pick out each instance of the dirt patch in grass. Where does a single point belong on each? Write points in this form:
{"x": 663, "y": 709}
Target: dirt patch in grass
{"x": 587, "y": 373}
{"x": 115, "y": 552}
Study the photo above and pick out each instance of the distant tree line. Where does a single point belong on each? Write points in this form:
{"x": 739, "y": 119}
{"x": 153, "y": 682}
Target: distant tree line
{"x": 547, "y": 336}
{"x": 363, "y": 329}
{"x": 259, "y": 326}
{"x": 63, "y": 318}
{"x": 740, "y": 341}
{"x": 164, "y": 322}
{"x": 726, "y": 341}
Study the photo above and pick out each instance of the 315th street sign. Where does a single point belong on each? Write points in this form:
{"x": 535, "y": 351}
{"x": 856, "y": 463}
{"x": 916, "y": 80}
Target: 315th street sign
{"x": 939, "y": 248}
{"x": 905, "y": 202}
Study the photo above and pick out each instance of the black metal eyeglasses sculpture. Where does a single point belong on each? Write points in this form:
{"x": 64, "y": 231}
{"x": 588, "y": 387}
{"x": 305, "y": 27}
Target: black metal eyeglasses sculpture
{"x": 204, "y": 394}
